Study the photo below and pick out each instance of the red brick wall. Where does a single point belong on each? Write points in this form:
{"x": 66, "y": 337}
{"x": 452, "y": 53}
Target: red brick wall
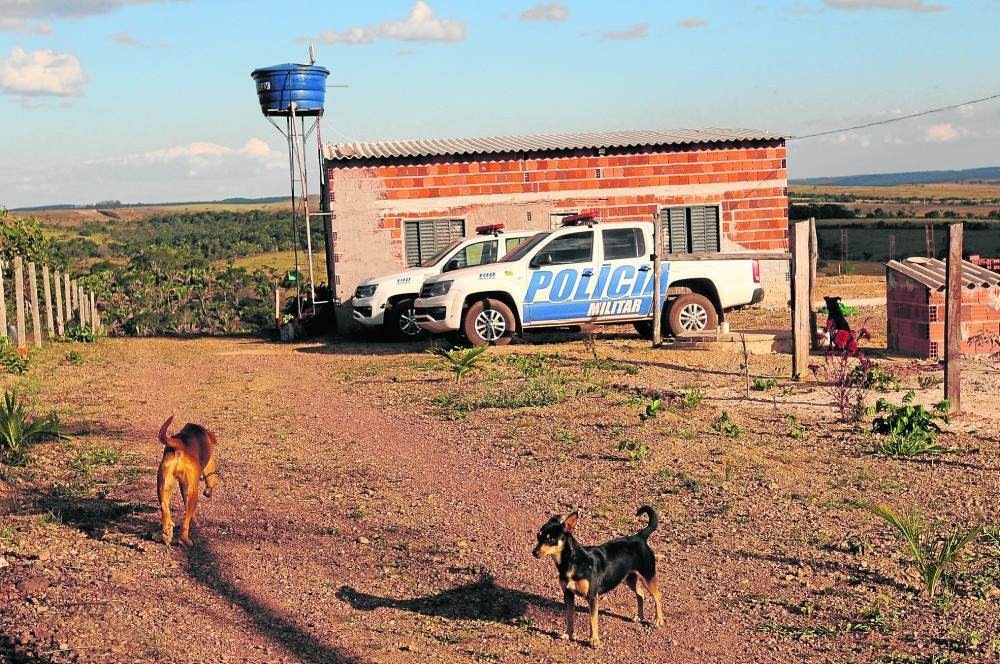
{"x": 916, "y": 316}
{"x": 989, "y": 263}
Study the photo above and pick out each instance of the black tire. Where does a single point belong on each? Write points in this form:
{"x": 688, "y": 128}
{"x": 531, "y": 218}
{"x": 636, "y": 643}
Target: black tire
{"x": 644, "y": 328}
{"x": 399, "y": 321}
{"x": 692, "y": 312}
{"x": 489, "y": 322}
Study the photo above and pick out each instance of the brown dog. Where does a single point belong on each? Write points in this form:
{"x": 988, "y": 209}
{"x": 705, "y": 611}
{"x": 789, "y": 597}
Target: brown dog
{"x": 188, "y": 458}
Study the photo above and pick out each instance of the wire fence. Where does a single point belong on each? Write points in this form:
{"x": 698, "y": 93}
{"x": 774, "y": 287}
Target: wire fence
{"x": 29, "y": 293}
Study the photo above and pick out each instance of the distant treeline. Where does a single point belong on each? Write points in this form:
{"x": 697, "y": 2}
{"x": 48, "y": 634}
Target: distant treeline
{"x": 199, "y": 236}
{"x": 835, "y": 211}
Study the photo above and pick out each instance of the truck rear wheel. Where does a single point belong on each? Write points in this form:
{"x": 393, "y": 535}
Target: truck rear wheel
{"x": 692, "y": 312}
{"x": 400, "y": 321}
{"x": 489, "y": 322}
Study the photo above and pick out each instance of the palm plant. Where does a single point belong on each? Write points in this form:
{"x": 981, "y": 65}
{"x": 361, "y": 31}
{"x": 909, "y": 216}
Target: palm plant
{"x": 460, "y": 361}
{"x": 931, "y": 560}
{"x": 19, "y": 429}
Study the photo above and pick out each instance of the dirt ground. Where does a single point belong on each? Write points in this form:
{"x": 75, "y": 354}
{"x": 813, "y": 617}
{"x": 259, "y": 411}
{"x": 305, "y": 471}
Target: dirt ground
{"x": 372, "y": 509}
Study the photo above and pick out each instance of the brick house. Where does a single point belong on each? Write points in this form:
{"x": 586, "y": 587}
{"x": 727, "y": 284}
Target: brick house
{"x": 915, "y": 306}
{"x": 396, "y": 203}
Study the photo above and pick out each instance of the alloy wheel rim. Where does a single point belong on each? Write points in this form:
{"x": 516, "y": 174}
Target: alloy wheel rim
{"x": 693, "y": 318}
{"x": 408, "y": 322}
{"x": 490, "y": 325}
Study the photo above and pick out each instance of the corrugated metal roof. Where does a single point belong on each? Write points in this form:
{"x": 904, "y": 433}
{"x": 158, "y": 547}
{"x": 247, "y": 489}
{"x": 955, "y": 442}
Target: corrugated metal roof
{"x": 931, "y": 272}
{"x": 428, "y": 147}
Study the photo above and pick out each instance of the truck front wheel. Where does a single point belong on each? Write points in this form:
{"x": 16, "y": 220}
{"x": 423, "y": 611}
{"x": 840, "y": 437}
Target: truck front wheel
{"x": 692, "y": 312}
{"x": 489, "y": 322}
{"x": 400, "y": 321}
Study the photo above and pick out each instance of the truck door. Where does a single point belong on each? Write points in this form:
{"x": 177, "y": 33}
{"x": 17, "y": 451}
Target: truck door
{"x": 624, "y": 277}
{"x": 560, "y": 280}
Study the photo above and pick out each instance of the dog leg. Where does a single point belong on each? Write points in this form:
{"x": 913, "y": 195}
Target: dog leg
{"x": 595, "y": 634}
{"x": 654, "y": 589}
{"x": 570, "y": 602}
{"x": 164, "y": 491}
{"x": 190, "y": 503}
{"x": 633, "y": 582}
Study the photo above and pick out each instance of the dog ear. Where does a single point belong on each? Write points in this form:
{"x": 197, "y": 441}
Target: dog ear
{"x": 569, "y": 523}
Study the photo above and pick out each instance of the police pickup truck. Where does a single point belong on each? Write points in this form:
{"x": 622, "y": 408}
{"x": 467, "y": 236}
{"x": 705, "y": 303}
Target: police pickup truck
{"x": 387, "y": 301}
{"x": 583, "y": 273}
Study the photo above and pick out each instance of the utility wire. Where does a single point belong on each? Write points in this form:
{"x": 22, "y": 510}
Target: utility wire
{"x": 899, "y": 119}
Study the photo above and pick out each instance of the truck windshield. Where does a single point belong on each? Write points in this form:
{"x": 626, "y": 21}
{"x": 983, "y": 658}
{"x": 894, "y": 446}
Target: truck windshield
{"x": 433, "y": 260}
{"x": 524, "y": 247}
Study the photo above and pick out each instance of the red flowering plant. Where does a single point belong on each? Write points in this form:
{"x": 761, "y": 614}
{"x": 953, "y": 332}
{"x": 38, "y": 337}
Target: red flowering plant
{"x": 845, "y": 372}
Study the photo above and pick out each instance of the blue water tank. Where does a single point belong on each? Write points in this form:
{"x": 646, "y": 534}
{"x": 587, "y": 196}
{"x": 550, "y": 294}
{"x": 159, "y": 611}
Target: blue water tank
{"x": 280, "y": 85}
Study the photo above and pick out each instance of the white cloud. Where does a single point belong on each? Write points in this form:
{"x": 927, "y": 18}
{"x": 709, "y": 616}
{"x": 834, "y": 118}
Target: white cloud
{"x": 546, "y": 11}
{"x": 58, "y": 9}
{"x": 637, "y": 31}
{"x": 898, "y": 5}
{"x": 693, "y": 23}
{"x": 41, "y": 73}
{"x": 942, "y": 133}
{"x": 125, "y": 39}
{"x": 420, "y": 25}
{"x": 202, "y": 154}
{"x": 12, "y": 24}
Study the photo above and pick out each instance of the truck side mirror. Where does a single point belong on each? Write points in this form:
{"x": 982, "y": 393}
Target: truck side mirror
{"x": 451, "y": 265}
{"x": 542, "y": 259}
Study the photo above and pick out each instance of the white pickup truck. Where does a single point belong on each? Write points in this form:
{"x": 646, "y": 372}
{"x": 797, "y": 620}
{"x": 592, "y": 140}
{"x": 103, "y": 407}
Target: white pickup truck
{"x": 387, "y": 301}
{"x": 583, "y": 273}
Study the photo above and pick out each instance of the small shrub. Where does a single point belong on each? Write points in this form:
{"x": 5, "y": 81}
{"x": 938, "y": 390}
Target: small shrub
{"x": 912, "y": 445}
{"x": 13, "y": 360}
{"x": 795, "y": 428}
{"x": 565, "y": 437}
{"x": 605, "y": 364}
{"x": 927, "y": 381}
{"x": 764, "y": 384}
{"x": 651, "y": 410}
{"x": 691, "y": 397}
{"x": 74, "y": 357}
{"x": 531, "y": 366}
{"x": 19, "y": 429}
{"x": 725, "y": 425}
{"x": 909, "y": 426}
{"x": 86, "y": 461}
{"x": 932, "y": 560}
{"x": 636, "y": 450}
{"x": 991, "y": 536}
{"x": 79, "y": 333}
{"x": 882, "y": 380}
{"x": 844, "y": 374}
{"x": 460, "y": 361}
{"x": 535, "y": 393}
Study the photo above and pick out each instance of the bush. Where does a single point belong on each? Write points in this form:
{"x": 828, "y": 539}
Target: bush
{"x": 725, "y": 425}
{"x": 80, "y": 333}
{"x": 636, "y": 450}
{"x": 13, "y": 360}
{"x": 913, "y": 425}
{"x": 460, "y": 361}
{"x": 19, "y": 429}
{"x": 691, "y": 397}
{"x": 844, "y": 374}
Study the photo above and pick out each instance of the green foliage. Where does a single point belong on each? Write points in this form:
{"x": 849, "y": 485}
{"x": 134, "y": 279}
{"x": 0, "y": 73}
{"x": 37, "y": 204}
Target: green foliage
{"x": 22, "y": 236}
{"x": 80, "y": 333}
{"x": 86, "y": 461}
{"x": 530, "y": 365}
{"x": 764, "y": 384}
{"x": 20, "y": 429}
{"x": 932, "y": 560}
{"x": 927, "y": 381}
{"x": 845, "y": 309}
{"x": 691, "y": 397}
{"x": 159, "y": 292}
{"x": 460, "y": 361}
{"x": 909, "y": 429}
{"x": 73, "y": 357}
{"x": 12, "y": 360}
{"x": 726, "y": 426}
{"x": 991, "y": 536}
{"x": 532, "y": 394}
{"x": 606, "y": 364}
{"x": 565, "y": 437}
{"x": 636, "y": 450}
{"x": 795, "y": 428}
{"x": 651, "y": 410}
{"x": 882, "y": 380}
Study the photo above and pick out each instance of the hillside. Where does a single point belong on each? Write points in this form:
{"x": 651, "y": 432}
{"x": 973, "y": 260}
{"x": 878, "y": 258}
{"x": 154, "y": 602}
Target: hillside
{"x": 988, "y": 174}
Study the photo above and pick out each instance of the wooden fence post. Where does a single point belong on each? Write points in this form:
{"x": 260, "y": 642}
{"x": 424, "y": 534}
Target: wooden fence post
{"x": 953, "y": 319}
{"x": 799, "y": 243}
{"x": 19, "y": 299}
{"x": 657, "y": 267}
{"x": 50, "y": 321}
{"x": 60, "y": 311}
{"x": 80, "y": 304}
{"x": 69, "y": 300}
{"x": 93, "y": 313}
{"x": 3, "y": 303}
{"x": 36, "y": 317}
{"x": 813, "y": 258}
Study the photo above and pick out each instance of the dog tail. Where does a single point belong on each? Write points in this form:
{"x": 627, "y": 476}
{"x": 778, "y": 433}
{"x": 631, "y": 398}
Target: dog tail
{"x": 168, "y": 441}
{"x": 654, "y": 521}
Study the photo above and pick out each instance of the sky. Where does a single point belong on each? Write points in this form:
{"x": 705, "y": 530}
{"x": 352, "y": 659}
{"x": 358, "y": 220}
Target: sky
{"x": 152, "y": 100}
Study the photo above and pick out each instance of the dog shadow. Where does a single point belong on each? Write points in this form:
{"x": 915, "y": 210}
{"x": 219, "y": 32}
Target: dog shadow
{"x": 481, "y": 600}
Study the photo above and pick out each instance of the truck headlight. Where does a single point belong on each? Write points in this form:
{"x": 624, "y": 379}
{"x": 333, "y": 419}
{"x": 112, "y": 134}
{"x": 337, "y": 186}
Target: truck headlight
{"x": 435, "y": 289}
{"x": 365, "y": 291}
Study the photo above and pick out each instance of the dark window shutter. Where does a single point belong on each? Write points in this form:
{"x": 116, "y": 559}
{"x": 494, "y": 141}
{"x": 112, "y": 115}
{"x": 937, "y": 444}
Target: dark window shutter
{"x": 704, "y": 229}
{"x": 712, "y": 229}
{"x": 675, "y": 229}
{"x": 412, "y": 243}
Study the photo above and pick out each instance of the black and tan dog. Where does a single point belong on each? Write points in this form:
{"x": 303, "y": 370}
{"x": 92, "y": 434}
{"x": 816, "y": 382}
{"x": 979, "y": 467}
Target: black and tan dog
{"x": 591, "y": 571}
{"x": 188, "y": 458}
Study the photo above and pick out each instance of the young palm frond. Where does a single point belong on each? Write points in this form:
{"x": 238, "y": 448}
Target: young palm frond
{"x": 19, "y": 429}
{"x": 460, "y": 361}
{"x": 931, "y": 561}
